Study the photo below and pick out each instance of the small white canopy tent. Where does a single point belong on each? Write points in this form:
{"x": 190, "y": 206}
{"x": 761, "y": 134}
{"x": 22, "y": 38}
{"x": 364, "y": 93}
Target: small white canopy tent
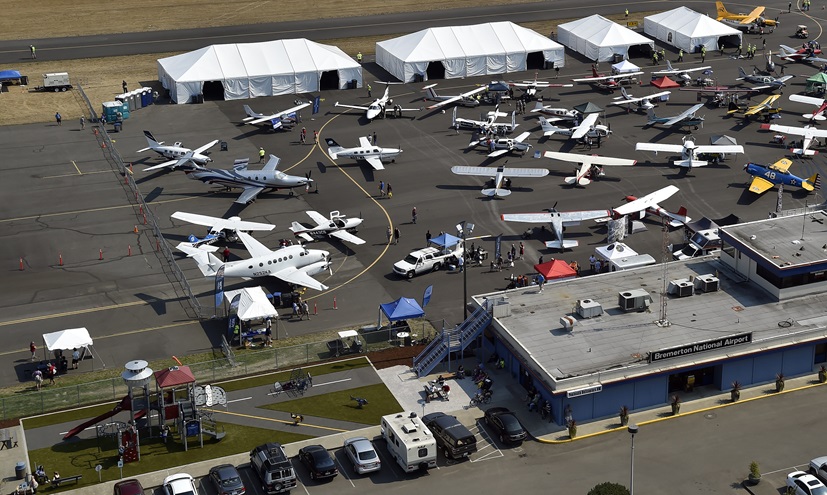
{"x": 467, "y": 51}
{"x": 249, "y": 70}
{"x": 624, "y": 66}
{"x": 67, "y": 340}
{"x": 599, "y": 39}
{"x": 253, "y": 304}
{"x": 686, "y": 29}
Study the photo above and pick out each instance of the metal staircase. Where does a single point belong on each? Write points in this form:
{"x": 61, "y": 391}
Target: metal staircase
{"x": 453, "y": 340}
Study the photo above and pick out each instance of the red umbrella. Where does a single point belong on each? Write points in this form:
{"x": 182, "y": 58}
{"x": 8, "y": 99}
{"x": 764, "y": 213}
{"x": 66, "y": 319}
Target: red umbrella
{"x": 555, "y": 269}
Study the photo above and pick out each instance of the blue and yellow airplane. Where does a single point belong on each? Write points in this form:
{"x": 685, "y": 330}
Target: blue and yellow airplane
{"x": 764, "y": 177}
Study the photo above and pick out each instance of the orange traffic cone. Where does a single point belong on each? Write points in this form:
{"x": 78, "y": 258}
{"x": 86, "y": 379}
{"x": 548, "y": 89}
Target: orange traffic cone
{"x": 136, "y": 229}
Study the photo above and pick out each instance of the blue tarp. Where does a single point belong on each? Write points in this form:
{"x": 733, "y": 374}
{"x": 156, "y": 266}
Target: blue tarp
{"x": 445, "y": 240}
{"x": 9, "y": 74}
{"x": 402, "y": 309}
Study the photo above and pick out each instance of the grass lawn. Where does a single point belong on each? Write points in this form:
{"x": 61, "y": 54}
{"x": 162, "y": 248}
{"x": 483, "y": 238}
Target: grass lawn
{"x": 270, "y": 378}
{"x": 337, "y": 405}
{"x": 81, "y": 457}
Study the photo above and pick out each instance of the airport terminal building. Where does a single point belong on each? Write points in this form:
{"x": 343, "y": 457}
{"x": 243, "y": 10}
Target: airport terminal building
{"x": 593, "y": 344}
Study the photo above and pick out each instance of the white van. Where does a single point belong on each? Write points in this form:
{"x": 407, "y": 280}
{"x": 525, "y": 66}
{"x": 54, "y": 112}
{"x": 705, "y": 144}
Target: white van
{"x": 410, "y": 442}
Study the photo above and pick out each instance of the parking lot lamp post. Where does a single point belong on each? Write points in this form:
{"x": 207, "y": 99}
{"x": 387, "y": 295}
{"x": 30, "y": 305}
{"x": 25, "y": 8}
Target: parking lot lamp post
{"x": 464, "y": 228}
{"x": 632, "y": 429}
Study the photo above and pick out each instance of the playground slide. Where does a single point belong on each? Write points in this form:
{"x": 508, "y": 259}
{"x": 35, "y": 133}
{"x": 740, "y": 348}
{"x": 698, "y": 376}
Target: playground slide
{"x": 122, "y": 405}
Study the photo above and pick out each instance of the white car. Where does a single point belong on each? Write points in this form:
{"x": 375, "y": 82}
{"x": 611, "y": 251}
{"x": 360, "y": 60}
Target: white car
{"x": 362, "y": 455}
{"x": 180, "y": 484}
{"x": 818, "y": 467}
{"x": 803, "y": 483}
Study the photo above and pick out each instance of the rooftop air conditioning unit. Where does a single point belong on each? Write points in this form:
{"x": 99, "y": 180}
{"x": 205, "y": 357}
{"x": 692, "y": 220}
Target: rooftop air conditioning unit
{"x": 681, "y": 288}
{"x": 589, "y": 308}
{"x": 634, "y": 300}
{"x": 707, "y": 283}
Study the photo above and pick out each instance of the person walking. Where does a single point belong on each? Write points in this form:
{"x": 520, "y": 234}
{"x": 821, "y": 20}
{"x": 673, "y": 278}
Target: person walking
{"x": 461, "y": 262}
{"x": 396, "y": 235}
{"x": 315, "y": 136}
{"x": 369, "y": 91}
{"x": 33, "y": 51}
{"x": 268, "y": 332}
{"x": 389, "y": 233}
{"x": 390, "y": 191}
{"x": 261, "y": 154}
{"x": 381, "y": 188}
{"x": 374, "y": 138}
{"x": 522, "y": 250}
{"x": 541, "y": 280}
{"x": 306, "y": 310}
{"x": 75, "y": 358}
{"x": 359, "y": 57}
{"x": 226, "y": 254}
{"x": 38, "y": 379}
{"x": 413, "y": 215}
{"x": 33, "y": 349}
{"x": 721, "y": 49}
{"x": 789, "y": 8}
{"x": 703, "y": 53}
{"x": 739, "y": 49}
{"x": 680, "y": 55}
{"x": 627, "y": 13}
{"x": 58, "y": 118}
{"x": 427, "y": 237}
{"x": 82, "y": 122}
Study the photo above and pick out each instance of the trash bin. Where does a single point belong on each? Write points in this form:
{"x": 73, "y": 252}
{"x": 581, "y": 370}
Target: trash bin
{"x": 617, "y": 58}
{"x": 408, "y": 341}
{"x": 118, "y": 126}
{"x": 20, "y": 470}
{"x": 223, "y": 145}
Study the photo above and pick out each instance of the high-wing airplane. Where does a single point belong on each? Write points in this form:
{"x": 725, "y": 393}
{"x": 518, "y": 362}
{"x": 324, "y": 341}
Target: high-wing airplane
{"x": 179, "y": 155}
{"x": 559, "y": 220}
{"x": 556, "y": 113}
{"x": 764, "y": 177}
{"x": 820, "y": 103}
{"x": 500, "y": 183}
{"x": 292, "y": 264}
{"x": 640, "y": 103}
{"x": 731, "y": 18}
{"x": 591, "y": 166}
{"x": 681, "y": 75}
{"x": 488, "y": 125}
{"x": 219, "y": 228}
{"x": 803, "y": 54}
{"x": 763, "y": 82}
{"x": 588, "y": 128}
{"x": 531, "y": 88}
{"x": 372, "y": 154}
{"x": 252, "y": 181}
{"x": 649, "y": 204}
{"x": 689, "y": 151}
{"x": 808, "y": 133}
{"x": 285, "y": 119}
{"x": 378, "y": 107}
{"x": 501, "y": 146}
{"x": 764, "y": 108}
{"x": 687, "y": 118}
{"x": 338, "y": 226}
{"x": 464, "y": 100}
{"x": 608, "y": 83}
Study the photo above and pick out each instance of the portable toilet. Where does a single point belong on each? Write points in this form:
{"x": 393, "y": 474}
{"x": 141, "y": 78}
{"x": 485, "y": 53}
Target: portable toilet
{"x": 131, "y": 99}
{"x": 110, "y": 110}
{"x": 146, "y": 97}
{"x": 124, "y": 109}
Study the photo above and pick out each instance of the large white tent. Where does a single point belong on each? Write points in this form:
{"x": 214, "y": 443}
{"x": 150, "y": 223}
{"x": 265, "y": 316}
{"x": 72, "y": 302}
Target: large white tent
{"x": 249, "y": 70}
{"x": 686, "y": 29}
{"x": 599, "y": 39}
{"x": 253, "y": 304}
{"x": 467, "y": 51}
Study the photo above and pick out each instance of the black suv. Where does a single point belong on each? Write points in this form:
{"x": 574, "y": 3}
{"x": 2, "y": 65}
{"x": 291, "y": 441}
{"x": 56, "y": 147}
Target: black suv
{"x": 455, "y": 440}
{"x": 273, "y": 467}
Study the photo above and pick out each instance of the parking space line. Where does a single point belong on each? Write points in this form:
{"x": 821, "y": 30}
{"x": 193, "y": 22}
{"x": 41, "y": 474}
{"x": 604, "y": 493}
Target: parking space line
{"x": 331, "y": 383}
{"x": 386, "y": 462}
{"x": 495, "y": 453}
{"x": 342, "y": 471}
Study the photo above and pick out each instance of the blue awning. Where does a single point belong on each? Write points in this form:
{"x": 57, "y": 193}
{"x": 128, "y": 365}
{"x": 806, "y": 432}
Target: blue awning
{"x": 402, "y": 309}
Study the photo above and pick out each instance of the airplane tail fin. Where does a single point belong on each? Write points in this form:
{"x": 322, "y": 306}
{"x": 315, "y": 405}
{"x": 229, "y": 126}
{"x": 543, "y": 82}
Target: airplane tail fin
{"x": 296, "y": 227}
{"x": 249, "y": 111}
{"x": 594, "y": 72}
{"x": 500, "y": 193}
{"x": 564, "y": 244}
{"x": 538, "y": 107}
{"x": 513, "y": 120}
{"x": 454, "y": 118}
{"x": 333, "y": 148}
{"x": 669, "y": 65}
{"x": 650, "y": 114}
{"x": 722, "y": 11}
{"x": 681, "y": 211}
{"x": 813, "y": 182}
{"x": 741, "y": 73}
{"x": 624, "y": 93}
{"x": 430, "y": 92}
{"x": 151, "y": 141}
{"x": 207, "y": 262}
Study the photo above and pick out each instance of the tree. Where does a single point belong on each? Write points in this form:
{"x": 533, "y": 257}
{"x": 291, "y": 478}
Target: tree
{"x": 609, "y": 489}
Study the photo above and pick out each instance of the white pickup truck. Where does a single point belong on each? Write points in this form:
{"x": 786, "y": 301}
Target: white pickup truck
{"x": 703, "y": 242}
{"x": 427, "y": 259}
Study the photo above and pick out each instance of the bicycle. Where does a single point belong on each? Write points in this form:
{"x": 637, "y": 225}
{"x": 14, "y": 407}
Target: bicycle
{"x": 481, "y": 398}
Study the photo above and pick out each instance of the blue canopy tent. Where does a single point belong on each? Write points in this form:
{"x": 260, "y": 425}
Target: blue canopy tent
{"x": 403, "y": 308}
{"x": 446, "y": 240}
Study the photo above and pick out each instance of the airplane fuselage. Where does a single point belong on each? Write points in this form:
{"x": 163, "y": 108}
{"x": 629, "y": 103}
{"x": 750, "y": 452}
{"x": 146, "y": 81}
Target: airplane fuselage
{"x": 176, "y": 152}
{"x": 384, "y": 154}
{"x": 248, "y": 178}
{"x": 347, "y": 224}
{"x": 290, "y": 256}
{"x": 774, "y": 176}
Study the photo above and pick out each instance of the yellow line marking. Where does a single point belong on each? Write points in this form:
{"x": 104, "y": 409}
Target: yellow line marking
{"x": 75, "y": 175}
{"x": 92, "y": 210}
{"x": 76, "y": 167}
{"x": 328, "y": 428}
{"x": 71, "y": 313}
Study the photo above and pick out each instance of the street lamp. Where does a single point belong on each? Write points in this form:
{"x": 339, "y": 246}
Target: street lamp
{"x": 632, "y": 429}
{"x": 464, "y": 228}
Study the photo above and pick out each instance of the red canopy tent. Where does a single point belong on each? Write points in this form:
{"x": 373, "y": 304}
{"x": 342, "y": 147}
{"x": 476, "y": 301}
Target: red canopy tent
{"x": 555, "y": 269}
{"x": 664, "y": 82}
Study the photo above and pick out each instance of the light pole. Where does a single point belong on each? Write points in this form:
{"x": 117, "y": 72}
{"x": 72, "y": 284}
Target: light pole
{"x": 464, "y": 228}
{"x": 632, "y": 429}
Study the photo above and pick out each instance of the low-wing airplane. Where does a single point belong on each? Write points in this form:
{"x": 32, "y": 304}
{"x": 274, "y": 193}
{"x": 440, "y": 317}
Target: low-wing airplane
{"x": 559, "y": 220}
{"x": 500, "y": 183}
{"x": 292, "y": 264}
{"x": 687, "y": 118}
{"x": 808, "y": 133}
{"x": 640, "y": 102}
{"x": 763, "y": 82}
{"x": 681, "y": 75}
{"x": 252, "y": 181}
{"x": 718, "y": 95}
{"x": 764, "y": 108}
{"x": 609, "y": 83}
{"x": 285, "y": 119}
{"x": 587, "y": 128}
{"x": 501, "y": 146}
{"x": 649, "y": 204}
{"x": 764, "y": 177}
{"x": 372, "y": 154}
{"x": 733, "y": 19}
{"x": 338, "y": 226}
{"x": 803, "y": 54}
{"x": 219, "y": 228}
{"x": 531, "y": 88}
{"x": 488, "y": 125}
{"x": 591, "y": 166}
{"x": 689, "y": 151}
{"x": 179, "y": 156}
{"x": 378, "y": 107}
{"x": 820, "y": 103}
{"x": 464, "y": 100}
{"x": 556, "y": 113}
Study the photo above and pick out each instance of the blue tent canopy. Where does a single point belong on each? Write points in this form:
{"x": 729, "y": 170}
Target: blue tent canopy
{"x": 445, "y": 240}
{"x": 401, "y": 309}
{"x": 6, "y": 75}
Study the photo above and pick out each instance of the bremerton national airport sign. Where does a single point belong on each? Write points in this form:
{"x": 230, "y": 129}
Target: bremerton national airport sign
{"x": 707, "y": 345}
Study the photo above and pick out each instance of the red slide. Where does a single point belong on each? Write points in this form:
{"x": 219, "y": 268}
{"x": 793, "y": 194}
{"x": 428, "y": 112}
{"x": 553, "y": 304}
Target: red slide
{"x": 122, "y": 405}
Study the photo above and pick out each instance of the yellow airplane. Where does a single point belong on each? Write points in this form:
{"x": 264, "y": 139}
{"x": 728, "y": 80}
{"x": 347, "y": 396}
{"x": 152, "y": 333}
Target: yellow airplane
{"x": 744, "y": 19}
{"x": 765, "y": 177}
{"x": 763, "y": 107}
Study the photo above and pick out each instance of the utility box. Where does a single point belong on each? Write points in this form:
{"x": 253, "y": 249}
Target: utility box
{"x": 681, "y": 287}
{"x": 568, "y": 322}
{"x": 634, "y": 300}
{"x": 707, "y": 283}
{"x": 589, "y": 308}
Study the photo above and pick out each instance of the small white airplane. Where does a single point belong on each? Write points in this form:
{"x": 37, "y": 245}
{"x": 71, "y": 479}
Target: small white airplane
{"x": 649, "y": 204}
{"x": 500, "y": 183}
{"x": 501, "y": 146}
{"x": 808, "y": 133}
{"x": 219, "y": 228}
{"x": 252, "y": 181}
{"x": 588, "y": 128}
{"x": 689, "y": 151}
{"x": 556, "y": 113}
{"x": 687, "y": 118}
{"x": 531, "y": 88}
{"x": 380, "y": 105}
{"x": 464, "y": 99}
{"x": 179, "y": 155}
{"x": 338, "y": 226}
{"x": 640, "y": 103}
{"x": 489, "y": 124}
{"x": 374, "y": 155}
{"x": 591, "y": 166}
{"x": 682, "y": 75}
{"x": 559, "y": 220}
{"x": 292, "y": 264}
{"x": 820, "y": 103}
{"x": 285, "y": 119}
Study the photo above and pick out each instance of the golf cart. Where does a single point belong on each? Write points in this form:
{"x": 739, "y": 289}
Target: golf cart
{"x": 347, "y": 343}
{"x": 801, "y": 32}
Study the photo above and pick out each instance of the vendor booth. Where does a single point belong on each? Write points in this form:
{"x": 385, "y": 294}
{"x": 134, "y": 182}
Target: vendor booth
{"x": 602, "y": 40}
{"x": 249, "y": 305}
{"x": 65, "y": 341}
{"x": 396, "y": 313}
{"x": 555, "y": 270}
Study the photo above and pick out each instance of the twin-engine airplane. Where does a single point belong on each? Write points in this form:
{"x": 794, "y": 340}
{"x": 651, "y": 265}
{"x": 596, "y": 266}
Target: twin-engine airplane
{"x": 500, "y": 183}
{"x": 556, "y": 113}
{"x": 607, "y": 83}
{"x": 284, "y": 120}
{"x": 464, "y": 100}
{"x": 338, "y": 226}
{"x": 763, "y": 82}
{"x": 806, "y": 55}
{"x": 591, "y": 166}
{"x": 687, "y": 118}
{"x": 587, "y": 128}
{"x": 689, "y": 151}
{"x": 380, "y": 105}
{"x": 490, "y": 124}
{"x": 765, "y": 177}
{"x": 681, "y": 75}
{"x": 367, "y": 152}
{"x": 252, "y": 181}
{"x": 179, "y": 155}
{"x": 808, "y": 133}
{"x": 501, "y": 146}
{"x": 225, "y": 229}
{"x": 639, "y": 103}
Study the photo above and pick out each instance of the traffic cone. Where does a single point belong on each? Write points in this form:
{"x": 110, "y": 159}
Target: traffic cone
{"x": 315, "y": 309}
{"x": 136, "y": 229}
{"x": 129, "y": 250}
{"x": 21, "y": 263}
{"x": 334, "y": 303}
{"x": 144, "y": 218}
{"x": 157, "y": 244}
{"x": 141, "y": 209}
{"x": 60, "y": 259}
{"x": 130, "y": 169}
{"x": 100, "y": 254}
{"x": 103, "y": 145}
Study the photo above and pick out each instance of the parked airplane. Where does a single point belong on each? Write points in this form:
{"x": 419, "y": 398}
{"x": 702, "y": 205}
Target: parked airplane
{"x": 764, "y": 82}
{"x": 219, "y": 228}
{"x": 372, "y": 154}
{"x": 252, "y": 181}
{"x": 689, "y": 151}
{"x": 610, "y": 83}
{"x": 591, "y": 166}
{"x": 531, "y": 88}
{"x": 808, "y": 133}
{"x": 640, "y": 103}
{"x": 764, "y": 177}
{"x": 179, "y": 155}
{"x": 559, "y": 220}
{"x": 285, "y": 119}
{"x": 588, "y": 128}
{"x": 754, "y": 16}
{"x": 501, "y": 146}
{"x": 680, "y": 75}
{"x": 687, "y": 118}
{"x": 488, "y": 125}
{"x": 718, "y": 95}
{"x": 649, "y": 204}
{"x": 803, "y": 54}
{"x": 464, "y": 100}
{"x": 817, "y": 102}
{"x": 292, "y": 264}
{"x": 764, "y": 108}
{"x": 338, "y": 226}
{"x": 556, "y": 113}
{"x": 500, "y": 184}
{"x": 380, "y": 105}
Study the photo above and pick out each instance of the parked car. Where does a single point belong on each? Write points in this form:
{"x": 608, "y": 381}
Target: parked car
{"x": 179, "y": 484}
{"x": 506, "y": 424}
{"x": 318, "y": 461}
{"x": 362, "y": 455}
{"x": 226, "y": 480}
{"x": 818, "y": 467}
{"x": 453, "y": 437}
{"x": 803, "y": 483}
{"x": 129, "y": 487}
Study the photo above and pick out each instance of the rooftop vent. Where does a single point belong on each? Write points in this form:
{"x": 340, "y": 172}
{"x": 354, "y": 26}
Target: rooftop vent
{"x": 634, "y": 300}
{"x": 409, "y": 427}
{"x": 681, "y": 288}
{"x": 707, "y": 283}
{"x": 589, "y": 308}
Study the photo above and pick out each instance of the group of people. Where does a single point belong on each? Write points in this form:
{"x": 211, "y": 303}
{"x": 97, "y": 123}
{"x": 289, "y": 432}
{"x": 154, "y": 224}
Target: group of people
{"x": 301, "y": 308}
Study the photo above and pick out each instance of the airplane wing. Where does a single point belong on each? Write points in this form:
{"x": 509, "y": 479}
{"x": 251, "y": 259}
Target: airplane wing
{"x": 317, "y": 217}
{"x": 475, "y": 171}
{"x": 456, "y": 98}
{"x": 375, "y": 162}
{"x": 782, "y": 165}
{"x": 500, "y": 152}
{"x": 670, "y": 148}
{"x": 651, "y": 199}
{"x": 522, "y": 137}
{"x": 809, "y": 100}
{"x": 272, "y": 164}
{"x": 296, "y": 276}
{"x": 161, "y": 165}
{"x": 760, "y": 185}
{"x": 364, "y": 142}
{"x": 680, "y": 71}
{"x": 796, "y": 131}
{"x": 589, "y": 159}
{"x": 626, "y": 101}
{"x": 205, "y": 147}
{"x": 357, "y": 107}
{"x": 585, "y": 126}
{"x": 571, "y": 218}
{"x": 527, "y": 217}
{"x": 253, "y": 246}
{"x": 724, "y": 148}
{"x": 525, "y": 172}
{"x": 248, "y": 195}
{"x": 594, "y": 79}
{"x": 683, "y": 115}
{"x": 220, "y": 223}
{"x": 752, "y": 16}
{"x": 277, "y": 115}
{"x": 346, "y": 236}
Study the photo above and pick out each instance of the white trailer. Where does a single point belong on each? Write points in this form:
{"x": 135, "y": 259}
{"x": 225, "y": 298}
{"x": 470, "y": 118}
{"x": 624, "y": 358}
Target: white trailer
{"x": 55, "y": 81}
{"x": 410, "y": 442}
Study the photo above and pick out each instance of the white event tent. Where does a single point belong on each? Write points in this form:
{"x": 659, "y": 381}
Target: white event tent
{"x": 249, "y": 70}
{"x": 686, "y": 29}
{"x": 253, "y": 304}
{"x": 599, "y": 39}
{"x": 467, "y": 51}
{"x": 67, "y": 340}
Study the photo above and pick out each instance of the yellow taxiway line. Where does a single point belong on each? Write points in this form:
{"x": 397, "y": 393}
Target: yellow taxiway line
{"x": 250, "y": 416}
